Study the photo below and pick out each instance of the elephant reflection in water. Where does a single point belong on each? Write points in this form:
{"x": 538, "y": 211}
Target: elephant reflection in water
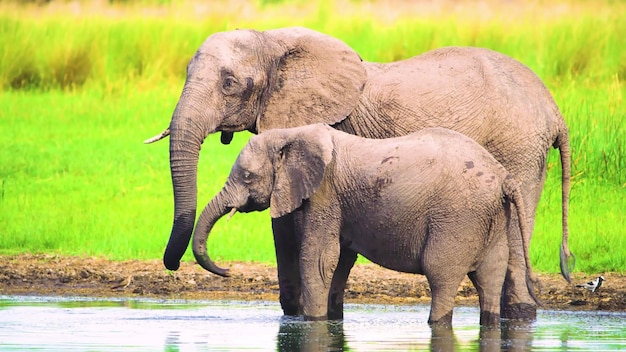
{"x": 512, "y": 335}
{"x": 311, "y": 336}
{"x": 317, "y": 336}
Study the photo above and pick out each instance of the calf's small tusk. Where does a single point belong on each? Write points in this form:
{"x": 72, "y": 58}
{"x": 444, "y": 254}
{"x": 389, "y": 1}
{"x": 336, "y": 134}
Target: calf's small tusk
{"x": 232, "y": 212}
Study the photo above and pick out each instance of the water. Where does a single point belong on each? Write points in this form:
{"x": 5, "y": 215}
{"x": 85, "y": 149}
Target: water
{"x": 84, "y": 324}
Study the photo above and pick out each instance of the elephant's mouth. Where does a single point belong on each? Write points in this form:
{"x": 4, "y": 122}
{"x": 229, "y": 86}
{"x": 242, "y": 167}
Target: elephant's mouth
{"x": 226, "y": 137}
{"x": 251, "y": 206}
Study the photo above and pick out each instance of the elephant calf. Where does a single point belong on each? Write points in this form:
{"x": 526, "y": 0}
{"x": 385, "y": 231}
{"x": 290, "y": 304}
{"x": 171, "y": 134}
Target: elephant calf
{"x": 433, "y": 202}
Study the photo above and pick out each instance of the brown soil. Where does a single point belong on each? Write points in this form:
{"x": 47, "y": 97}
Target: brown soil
{"x": 73, "y": 276}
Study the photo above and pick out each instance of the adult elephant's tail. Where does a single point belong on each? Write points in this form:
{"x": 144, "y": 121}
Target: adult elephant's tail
{"x": 568, "y": 260}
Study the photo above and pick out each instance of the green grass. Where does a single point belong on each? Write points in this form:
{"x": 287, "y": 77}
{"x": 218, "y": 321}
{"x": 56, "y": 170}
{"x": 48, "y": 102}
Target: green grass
{"x": 77, "y": 179}
{"x": 79, "y": 94}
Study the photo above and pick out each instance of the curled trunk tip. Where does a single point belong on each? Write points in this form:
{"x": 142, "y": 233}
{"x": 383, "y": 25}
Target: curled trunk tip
{"x": 208, "y": 264}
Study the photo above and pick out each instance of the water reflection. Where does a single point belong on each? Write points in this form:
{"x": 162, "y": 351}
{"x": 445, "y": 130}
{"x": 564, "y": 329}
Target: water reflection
{"x": 305, "y": 336}
{"x": 72, "y": 324}
{"x": 442, "y": 339}
{"x": 310, "y": 336}
{"x": 511, "y": 336}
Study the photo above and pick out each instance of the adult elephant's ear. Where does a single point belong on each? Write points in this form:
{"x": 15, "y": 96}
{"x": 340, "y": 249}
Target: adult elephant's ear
{"x": 315, "y": 78}
{"x": 303, "y": 155}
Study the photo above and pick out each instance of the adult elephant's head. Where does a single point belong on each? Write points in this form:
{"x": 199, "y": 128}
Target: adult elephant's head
{"x": 256, "y": 81}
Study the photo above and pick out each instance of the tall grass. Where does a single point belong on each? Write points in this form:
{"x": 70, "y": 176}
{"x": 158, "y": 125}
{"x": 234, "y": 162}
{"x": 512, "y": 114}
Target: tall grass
{"x": 81, "y": 88}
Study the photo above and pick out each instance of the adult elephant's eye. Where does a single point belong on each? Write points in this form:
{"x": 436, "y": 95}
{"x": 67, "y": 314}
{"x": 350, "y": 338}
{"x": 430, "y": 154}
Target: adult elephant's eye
{"x": 247, "y": 177}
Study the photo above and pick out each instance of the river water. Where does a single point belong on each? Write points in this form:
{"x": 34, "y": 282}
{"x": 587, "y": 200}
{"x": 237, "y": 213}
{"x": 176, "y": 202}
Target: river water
{"x": 90, "y": 324}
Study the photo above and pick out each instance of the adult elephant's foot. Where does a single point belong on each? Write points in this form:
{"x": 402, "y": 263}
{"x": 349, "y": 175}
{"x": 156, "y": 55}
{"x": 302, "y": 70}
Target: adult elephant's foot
{"x": 519, "y": 311}
{"x": 335, "y": 306}
{"x": 516, "y": 302}
{"x": 290, "y": 300}
{"x": 290, "y": 308}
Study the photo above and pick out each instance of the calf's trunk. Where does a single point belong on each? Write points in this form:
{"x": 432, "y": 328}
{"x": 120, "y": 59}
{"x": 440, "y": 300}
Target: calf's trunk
{"x": 211, "y": 213}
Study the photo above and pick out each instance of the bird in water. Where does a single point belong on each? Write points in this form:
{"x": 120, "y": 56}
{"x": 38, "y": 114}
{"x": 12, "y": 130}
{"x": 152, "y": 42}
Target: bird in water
{"x": 593, "y": 285}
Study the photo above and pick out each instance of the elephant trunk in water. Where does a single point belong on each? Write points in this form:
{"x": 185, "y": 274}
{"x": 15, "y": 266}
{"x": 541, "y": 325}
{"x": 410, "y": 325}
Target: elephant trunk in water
{"x": 211, "y": 213}
{"x": 186, "y": 137}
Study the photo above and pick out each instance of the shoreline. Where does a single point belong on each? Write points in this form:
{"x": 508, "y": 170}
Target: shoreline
{"x": 51, "y": 275}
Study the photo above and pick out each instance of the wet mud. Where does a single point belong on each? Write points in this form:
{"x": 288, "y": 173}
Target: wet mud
{"x": 52, "y": 275}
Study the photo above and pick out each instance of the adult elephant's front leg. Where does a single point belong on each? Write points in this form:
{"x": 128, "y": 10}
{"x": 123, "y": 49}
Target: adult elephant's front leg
{"x": 347, "y": 257}
{"x": 287, "y": 245}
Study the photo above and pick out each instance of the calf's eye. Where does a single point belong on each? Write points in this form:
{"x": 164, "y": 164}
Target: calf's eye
{"x": 229, "y": 84}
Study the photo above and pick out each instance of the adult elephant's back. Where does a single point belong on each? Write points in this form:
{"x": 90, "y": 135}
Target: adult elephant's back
{"x": 486, "y": 95}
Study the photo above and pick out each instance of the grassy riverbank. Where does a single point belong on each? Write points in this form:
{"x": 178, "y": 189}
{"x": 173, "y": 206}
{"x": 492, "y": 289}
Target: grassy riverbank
{"x": 82, "y": 85}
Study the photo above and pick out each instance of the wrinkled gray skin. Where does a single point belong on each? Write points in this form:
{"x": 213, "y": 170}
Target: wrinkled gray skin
{"x": 433, "y": 202}
{"x": 257, "y": 81}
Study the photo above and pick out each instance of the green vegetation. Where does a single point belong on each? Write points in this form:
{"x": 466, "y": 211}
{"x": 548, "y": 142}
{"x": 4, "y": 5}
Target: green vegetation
{"x": 81, "y": 87}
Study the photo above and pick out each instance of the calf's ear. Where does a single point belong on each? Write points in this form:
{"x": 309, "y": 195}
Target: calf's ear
{"x": 302, "y": 165}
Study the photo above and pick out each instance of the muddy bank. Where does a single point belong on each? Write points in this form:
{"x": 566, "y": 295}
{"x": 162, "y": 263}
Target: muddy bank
{"x": 72, "y": 276}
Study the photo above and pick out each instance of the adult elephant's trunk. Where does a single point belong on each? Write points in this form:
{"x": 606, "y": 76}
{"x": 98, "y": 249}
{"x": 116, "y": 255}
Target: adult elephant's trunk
{"x": 211, "y": 213}
{"x": 186, "y": 136}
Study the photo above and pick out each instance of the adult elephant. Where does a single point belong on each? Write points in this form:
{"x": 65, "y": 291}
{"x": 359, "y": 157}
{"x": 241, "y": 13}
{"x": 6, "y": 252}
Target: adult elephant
{"x": 257, "y": 81}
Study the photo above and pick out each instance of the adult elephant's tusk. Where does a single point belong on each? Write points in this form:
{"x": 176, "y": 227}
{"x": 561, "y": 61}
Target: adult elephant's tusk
{"x": 232, "y": 212}
{"x": 158, "y": 137}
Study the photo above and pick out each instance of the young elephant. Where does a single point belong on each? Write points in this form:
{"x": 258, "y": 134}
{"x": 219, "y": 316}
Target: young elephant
{"x": 433, "y": 202}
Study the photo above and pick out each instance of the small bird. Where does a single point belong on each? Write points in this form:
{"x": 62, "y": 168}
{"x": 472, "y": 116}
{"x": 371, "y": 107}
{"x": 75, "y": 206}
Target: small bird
{"x": 593, "y": 285}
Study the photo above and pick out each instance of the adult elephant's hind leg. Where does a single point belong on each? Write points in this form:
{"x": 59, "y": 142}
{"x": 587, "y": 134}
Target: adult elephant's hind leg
{"x": 516, "y": 301}
{"x": 347, "y": 257}
{"x": 287, "y": 245}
